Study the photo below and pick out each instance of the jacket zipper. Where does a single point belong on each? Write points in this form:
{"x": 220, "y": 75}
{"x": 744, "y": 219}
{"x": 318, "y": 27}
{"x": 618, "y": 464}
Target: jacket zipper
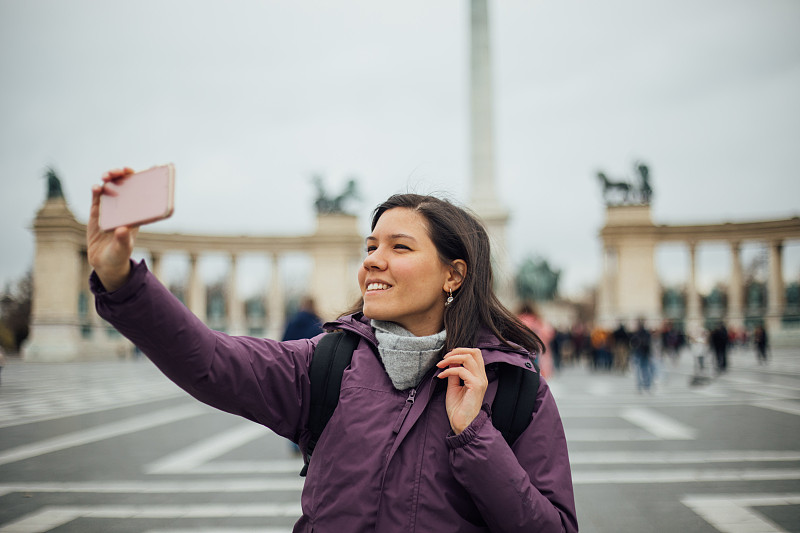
{"x": 404, "y": 412}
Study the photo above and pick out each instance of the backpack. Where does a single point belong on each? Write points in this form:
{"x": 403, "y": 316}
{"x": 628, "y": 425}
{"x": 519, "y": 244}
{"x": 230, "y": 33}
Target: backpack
{"x": 511, "y": 410}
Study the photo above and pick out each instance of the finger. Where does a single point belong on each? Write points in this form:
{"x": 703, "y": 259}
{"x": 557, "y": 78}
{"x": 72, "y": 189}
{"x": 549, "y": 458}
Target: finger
{"x": 94, "y": 210}
{"x": 471, "y": 360}
{"x": 455, "y": 362}
{"x": 454, "y": 385}
{"x": 117, "y": 174}
{"x": 97, "y": 191}
{"x": 472, "y": 352}
{"x": 109, "y": 190}
{"x": 459, "y": 373}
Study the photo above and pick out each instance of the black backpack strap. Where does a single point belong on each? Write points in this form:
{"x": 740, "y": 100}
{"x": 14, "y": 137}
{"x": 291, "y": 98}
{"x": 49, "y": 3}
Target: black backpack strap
{"x": 332, "y": 355}
{"x": 515, "y": 400}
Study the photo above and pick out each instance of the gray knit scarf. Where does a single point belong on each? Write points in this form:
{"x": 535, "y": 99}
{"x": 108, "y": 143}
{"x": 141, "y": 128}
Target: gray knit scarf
{"x": 406, "y": 358}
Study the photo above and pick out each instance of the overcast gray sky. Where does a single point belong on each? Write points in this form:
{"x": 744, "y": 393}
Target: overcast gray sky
{"x": 250, "y": 98}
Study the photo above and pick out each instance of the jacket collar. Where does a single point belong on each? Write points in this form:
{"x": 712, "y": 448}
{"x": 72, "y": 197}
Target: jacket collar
{"x": 493, "y": 350}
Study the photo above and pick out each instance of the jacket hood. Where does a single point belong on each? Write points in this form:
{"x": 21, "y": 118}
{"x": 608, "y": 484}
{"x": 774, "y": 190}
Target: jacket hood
{"x": 492, "y": 349}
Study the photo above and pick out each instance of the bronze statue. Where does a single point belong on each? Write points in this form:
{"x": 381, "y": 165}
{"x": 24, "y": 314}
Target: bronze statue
{"x": 53, "y": 184}
{"x": 645, "y": 190}
{"x": 625, "y": 193}
{"x": 610, "y": 189}
{"x": 537, "y": 281}
{"x": 334, "y": 204}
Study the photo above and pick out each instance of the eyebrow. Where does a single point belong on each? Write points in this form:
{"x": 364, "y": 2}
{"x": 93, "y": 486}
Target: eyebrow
{"x": 393, "y": 236}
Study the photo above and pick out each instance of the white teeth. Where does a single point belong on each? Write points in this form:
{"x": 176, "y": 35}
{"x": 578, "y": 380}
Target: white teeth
{"x": 377, "y": 287}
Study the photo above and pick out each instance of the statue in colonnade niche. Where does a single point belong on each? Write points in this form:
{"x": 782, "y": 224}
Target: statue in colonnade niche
{"x": 537, "y": 281}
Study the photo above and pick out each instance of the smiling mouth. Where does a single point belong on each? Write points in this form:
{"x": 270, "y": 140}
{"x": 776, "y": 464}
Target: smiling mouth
{"x": 378, "y": 287}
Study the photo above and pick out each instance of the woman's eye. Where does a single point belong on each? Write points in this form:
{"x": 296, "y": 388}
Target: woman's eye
{"x": 401, "y": 247}
{"x": 371, "y": 248}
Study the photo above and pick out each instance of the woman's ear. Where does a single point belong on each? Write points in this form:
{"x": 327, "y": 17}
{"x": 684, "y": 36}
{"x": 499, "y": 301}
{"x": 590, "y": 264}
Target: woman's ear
{"x": 456, "y": 275}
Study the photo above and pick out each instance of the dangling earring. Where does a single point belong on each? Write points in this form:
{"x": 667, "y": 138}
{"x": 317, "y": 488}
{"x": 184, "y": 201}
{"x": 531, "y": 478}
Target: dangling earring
{"x": 449, "y": 299}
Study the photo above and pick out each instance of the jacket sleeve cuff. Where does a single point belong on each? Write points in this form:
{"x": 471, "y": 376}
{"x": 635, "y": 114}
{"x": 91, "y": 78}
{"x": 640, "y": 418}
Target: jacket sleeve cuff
{"x": 137, "y": 274}
{"x": 465, "y": 437}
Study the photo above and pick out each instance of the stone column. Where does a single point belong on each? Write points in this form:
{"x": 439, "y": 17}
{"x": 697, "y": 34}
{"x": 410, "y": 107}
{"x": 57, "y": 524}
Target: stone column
{"x": 694, "y": 315}
{"x": 607, "y": 307}
{"x": 196, "y": 291}
{"x": 483, "y": 196}
{"x": 481, "y": 111}
{"x": 157, "y": 265}
{"x": 736, "y": 288}
{"x": 236, "y": 325}
{"x": 776, "y": 297}
{"x": 276, "y": 307}
{"x": 58, "y": 275}
{"x": 333, "y": 283}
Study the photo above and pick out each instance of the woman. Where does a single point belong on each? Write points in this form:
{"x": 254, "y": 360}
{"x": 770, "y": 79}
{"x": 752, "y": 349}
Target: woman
{"x": 399, "y": 453}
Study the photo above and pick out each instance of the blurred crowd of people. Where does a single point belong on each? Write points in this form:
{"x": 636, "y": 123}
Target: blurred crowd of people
{"x": 639, "y": 349}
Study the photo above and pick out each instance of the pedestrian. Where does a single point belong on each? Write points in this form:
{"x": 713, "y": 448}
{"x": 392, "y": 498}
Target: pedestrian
{"x": 697, "y": 337}
{"x": 305, "y": 323}
{"x": 528, "y": 315}
{"x": 399, "y": 453}
{"x": 761, "y": 343}
{"x": 601, "y": 352}
{"x": 621, "y": 342}
{"x": 556, "y": 347}
{"x": 641, "y": 350}
{"x": 719, "y": 343}
{"x": 670, "y": 342}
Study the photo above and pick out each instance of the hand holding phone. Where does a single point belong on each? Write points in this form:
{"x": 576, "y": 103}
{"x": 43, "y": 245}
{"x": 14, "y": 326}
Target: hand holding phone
{"x": 137, "y": 199}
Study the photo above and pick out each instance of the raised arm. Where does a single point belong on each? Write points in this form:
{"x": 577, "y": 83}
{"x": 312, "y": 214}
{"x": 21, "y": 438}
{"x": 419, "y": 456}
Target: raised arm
{"x": 109, "y": 252}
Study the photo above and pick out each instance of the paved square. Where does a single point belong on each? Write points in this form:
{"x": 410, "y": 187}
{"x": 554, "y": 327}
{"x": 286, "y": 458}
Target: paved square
{"x": 115, "y": 447}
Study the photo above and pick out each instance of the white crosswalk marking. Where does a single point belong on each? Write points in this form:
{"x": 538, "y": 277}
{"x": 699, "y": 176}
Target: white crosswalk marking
{"x": 188, "y": 458}
{"x": 54, "y": 516}
{"x": 225, "y": 530}
{"x": 291, "y": 484}
{"x": 105, "y": 431}
{"x": 659, "y": 425}
{"x": 732, "y": 514}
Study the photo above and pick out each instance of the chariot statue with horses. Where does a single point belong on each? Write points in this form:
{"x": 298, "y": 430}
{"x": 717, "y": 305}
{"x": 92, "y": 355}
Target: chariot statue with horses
{"x": 327, "y": 204}
{"x": 627, "y": 193}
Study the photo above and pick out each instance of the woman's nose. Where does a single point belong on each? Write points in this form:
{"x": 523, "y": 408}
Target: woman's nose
{"x": 375, "y": 260}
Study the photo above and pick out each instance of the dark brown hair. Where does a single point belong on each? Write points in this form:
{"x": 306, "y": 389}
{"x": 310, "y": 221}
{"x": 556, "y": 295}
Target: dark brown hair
{"x": 457, "y": 234}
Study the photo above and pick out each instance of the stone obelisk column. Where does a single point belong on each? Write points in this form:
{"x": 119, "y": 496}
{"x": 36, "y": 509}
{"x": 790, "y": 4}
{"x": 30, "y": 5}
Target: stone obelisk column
{"x": 483, "y": 196}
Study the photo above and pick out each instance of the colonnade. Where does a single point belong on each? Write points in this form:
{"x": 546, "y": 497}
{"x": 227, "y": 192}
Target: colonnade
{"x": 630, "y": 287}
{"x": 64, "y": 325}
{"x": 195, "y": 291}
{"x": 776, "y": 290}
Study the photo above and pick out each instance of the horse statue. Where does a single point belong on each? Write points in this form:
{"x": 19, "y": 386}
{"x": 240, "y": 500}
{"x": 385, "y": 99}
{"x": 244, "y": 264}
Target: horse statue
{"x": 326, "y": 204}
{"x": 625, "y": 193}
{"x": 614, "y": 188}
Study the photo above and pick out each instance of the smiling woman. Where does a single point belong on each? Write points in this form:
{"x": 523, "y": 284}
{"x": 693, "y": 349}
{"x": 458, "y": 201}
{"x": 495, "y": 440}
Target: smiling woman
{"x": 402, "y": 279}
{"x": 427, "y": 316}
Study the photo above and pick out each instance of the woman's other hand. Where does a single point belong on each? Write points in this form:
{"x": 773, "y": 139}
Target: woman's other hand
{"x": 466, "y": 386}
{"x": 109, "y": 252}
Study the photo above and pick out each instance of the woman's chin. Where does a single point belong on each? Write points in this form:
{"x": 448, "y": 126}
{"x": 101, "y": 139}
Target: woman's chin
{"x": 375, "y": 313}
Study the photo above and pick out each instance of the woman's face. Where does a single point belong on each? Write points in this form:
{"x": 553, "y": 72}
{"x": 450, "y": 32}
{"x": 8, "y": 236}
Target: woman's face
{"x": 402, "y": 278}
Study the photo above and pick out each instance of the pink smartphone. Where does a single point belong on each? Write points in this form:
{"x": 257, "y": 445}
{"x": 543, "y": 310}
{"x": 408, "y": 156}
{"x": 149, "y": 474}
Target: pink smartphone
{"x": 140, "y": 198}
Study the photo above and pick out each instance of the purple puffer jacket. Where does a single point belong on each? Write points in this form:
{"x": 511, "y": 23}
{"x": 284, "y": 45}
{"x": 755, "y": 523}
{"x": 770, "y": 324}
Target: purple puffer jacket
{"x": 388, "y": 460}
